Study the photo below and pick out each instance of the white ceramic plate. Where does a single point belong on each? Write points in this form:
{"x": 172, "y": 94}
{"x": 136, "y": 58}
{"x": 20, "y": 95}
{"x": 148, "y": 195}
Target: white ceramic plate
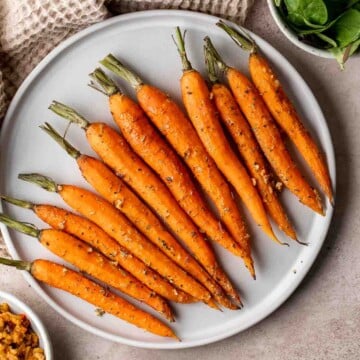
{"x": 144, "y": 41}
{"x": 18, "y": 307}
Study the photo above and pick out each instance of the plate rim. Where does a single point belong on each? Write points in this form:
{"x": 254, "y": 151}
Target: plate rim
{"x": 330, "y": 155}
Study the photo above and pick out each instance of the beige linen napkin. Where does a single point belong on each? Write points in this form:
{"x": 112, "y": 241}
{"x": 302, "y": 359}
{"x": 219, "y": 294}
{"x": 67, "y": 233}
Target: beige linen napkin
{"x": 29, "y": 29}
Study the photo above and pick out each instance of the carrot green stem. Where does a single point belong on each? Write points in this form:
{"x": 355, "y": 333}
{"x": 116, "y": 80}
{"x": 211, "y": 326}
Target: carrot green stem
{"x": 214, "y": 55}
{"x": 210, "y": 65}
{"x": 28, "y": 229}
{"x": 19, "y": 264}
{"x": 68, "y": 113}
{"x": 240, "y": 37}
{"x": 21, "y": 203}
{"x": 114, "y": 65}
{"x": 108, "y": 86}
{"x": 179, "y": 41}
{"x": 40, "y": 180}
{"x": 71, "y": 150}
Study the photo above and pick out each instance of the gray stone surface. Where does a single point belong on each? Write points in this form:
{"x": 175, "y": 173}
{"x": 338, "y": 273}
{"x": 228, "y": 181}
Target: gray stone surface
{"x": 321, "y": 320}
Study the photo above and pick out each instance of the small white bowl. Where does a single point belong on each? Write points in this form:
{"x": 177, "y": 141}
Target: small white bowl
{"x": 292, "y": 36}
{"x": 18, "y": 307}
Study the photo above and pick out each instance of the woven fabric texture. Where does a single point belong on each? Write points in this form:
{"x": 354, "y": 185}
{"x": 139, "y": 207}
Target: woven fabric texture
{"x": 29, "y": 29}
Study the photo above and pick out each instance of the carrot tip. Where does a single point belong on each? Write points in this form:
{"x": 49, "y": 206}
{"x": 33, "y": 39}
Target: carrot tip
{"x": 211, "y": 303}
{"x": 236, "y": 300}
{"x": 301, "y": 242}
{"x": 249, "y": 263}
{"x": 279, "y": 242}
{"x": 319, "y": 210}
{"x": 292, "y": 236}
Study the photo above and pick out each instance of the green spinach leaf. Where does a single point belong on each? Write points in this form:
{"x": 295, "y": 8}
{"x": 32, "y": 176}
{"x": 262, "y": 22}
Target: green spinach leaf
{"x": 313, "y": 11}
{"x": 351, "y": 3}
{"x": 325, "y": 24}
{"x": 346, "y": 29}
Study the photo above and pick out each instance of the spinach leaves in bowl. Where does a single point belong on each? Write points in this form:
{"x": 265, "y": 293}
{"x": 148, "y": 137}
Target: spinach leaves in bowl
{"x": 333, "y": 25}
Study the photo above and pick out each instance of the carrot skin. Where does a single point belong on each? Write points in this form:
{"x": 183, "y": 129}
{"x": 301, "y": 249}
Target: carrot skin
{"x": 87, "y": 231}
{"x": 202, "y": 113}
{"x": 72, "y": 282}
{"x": 251, "y": 153}
{"x": 117, "y": 226}
{"x": 285, "y": 114}
{"x": 93, "y": 263}
{"x": 116, "y": 153}
{"x": 153, "y": 149}
{"x": 113, "y": 189}
{"x": 270, "y": 141}
{"x": 167, "y": 116}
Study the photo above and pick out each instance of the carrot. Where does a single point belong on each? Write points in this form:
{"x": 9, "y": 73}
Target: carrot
{"x": 113, "y": 189}
{"x": 86, "y": 259}
{"x": 116, "y": 153}
{"x": 203, "y": 114}
{"x": 155, "y": 151}
{"x": 268, "y": 135}
{"x": 117, "y": 226}
{"x": 248, "y": 148}
{"x": 87, "y": 231}
{"x": 282, "y": 109}
{"x": 63, "y": 278}
{"x": 167, "y": 116}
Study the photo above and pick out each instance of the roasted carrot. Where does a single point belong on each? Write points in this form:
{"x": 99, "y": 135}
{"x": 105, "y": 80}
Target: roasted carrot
{"x": 157, "y": 153}
{"x": 203, "y": 115}
{"x": 89, "y": 232}
{"x": 268, "y": 135}
{"x": 113, "y": 189}
{"x": 117, "y": 154}
{"x": 86, "y": 259}
{"x": 167, "y": 116}
{"x": 63, "y": 278}
{"x": 248, "y": 148}
{"x": 111, "y": 220}
{"x": 282, "y": 109}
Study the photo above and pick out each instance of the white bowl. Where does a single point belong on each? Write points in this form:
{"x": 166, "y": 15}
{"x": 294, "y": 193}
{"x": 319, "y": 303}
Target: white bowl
{"x": 292, "y": 36}
{"x": 18, "y": 307}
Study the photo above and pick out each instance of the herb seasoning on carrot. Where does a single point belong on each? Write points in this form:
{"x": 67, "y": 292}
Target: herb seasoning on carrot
{"x": 167, "y": 116}
{"x": 117, "y": 154}
{"x": 92, "y": 234}
{"x": 268, "y": 136}
{"x": 111, "y": 220}
{"x": 157, "y": 153}
{"x": 282, "y": 109}
{"x": 86, "y": 259}
{"x": 113, "y": 189}
{"x": 63, "y": 278}
{"x": 247, "y": 145}
{"x": 202, "y": 113}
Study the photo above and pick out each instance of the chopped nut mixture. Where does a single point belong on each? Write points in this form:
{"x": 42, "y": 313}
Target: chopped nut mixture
{"x": 17, "y": 340}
